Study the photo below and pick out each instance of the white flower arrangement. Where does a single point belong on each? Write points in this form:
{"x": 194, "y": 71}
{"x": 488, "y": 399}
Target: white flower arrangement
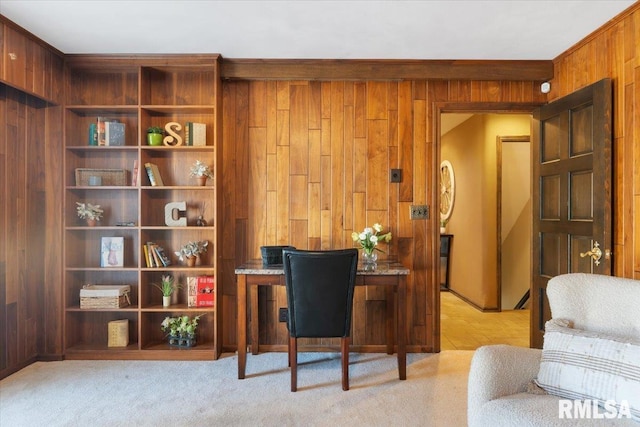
{"x": 370, "y": 237}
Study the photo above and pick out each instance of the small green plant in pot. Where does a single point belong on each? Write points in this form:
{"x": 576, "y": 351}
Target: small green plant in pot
{"x": 167, "y": 286}
{"x": 155, "y": 135}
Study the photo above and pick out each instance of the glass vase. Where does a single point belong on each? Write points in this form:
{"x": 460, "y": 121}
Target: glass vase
{"x": 369, "y": 260}
{"x": 369, "y": 257}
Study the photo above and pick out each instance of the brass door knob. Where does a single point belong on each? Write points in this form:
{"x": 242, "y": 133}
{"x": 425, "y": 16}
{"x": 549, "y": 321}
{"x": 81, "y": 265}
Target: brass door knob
{"x": 595, "y": 253}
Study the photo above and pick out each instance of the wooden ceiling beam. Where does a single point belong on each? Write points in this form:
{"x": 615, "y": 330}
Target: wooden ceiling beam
{"x": 341, "y": 69}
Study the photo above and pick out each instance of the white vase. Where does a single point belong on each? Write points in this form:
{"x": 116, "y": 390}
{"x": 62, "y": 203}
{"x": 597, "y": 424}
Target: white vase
{"x": 166, "y": 301}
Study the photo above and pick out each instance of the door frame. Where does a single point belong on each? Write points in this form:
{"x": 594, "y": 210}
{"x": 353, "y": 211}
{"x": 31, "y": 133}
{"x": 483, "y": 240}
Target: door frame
{"x": 440, "y": 108}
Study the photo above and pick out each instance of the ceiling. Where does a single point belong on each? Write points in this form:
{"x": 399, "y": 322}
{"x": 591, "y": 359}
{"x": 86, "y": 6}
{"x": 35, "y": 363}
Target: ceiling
{"x": 320, "y": 29}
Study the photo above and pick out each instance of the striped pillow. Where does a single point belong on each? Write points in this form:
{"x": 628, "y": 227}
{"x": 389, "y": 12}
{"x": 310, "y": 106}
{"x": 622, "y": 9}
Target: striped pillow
{"x": 579, "y": 364}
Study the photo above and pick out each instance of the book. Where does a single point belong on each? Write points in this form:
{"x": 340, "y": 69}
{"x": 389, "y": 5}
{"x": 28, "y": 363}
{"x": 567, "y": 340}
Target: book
{"x": 198, "y": 134}
{"x": 200, "y": 291}
{"x": 162, "y": 255}
{"x": 148, "y": 250}
{"x": 134, "y": 173}
{"x": 155, "y": 179}
{"x": 145, "y": 249}
{"x": 100, "y": 129}
{"x": 114, "y": 133}
{"x": 154, "y": 254}
{"x": 112, "y": 252}
{"x": 195, "y": 133}
{"x": 93, "y": 134}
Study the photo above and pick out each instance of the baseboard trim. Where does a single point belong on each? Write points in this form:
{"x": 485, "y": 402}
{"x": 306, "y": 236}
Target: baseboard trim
{"x": 50, "y": 358}
{"x": 282, "y": 348}
{"x": 474, "y": 305}
{"x": 13, "y": 369}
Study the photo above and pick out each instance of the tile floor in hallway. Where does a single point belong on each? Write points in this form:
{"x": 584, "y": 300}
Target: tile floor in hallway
{"x": 463, "y": 327}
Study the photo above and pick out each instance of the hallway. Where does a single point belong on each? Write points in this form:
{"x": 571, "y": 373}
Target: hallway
{"x": 462, "y": 327}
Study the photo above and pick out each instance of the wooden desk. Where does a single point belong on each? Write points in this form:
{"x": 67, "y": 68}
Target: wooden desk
{"x": 392, "y": 275}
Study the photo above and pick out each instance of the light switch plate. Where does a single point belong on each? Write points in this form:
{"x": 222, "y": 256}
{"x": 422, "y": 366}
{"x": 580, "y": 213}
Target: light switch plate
{"x": 395, "y": 175}
{"x": 419, "y": 212}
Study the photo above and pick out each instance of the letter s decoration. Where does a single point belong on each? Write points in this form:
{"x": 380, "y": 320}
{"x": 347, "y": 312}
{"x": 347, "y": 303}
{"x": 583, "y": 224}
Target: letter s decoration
{"x": 172, "y": 139}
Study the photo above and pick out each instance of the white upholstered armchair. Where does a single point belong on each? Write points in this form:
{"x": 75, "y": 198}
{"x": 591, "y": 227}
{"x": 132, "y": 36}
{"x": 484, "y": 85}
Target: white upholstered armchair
{"x": 591, "y": 353}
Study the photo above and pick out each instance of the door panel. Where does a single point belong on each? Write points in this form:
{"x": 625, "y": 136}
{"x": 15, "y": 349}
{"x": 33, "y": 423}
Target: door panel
{"x": 571, "y": 191}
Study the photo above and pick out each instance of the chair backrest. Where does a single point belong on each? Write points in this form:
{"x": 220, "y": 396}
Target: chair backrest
{"x": 597, "y": 303}
{"x": 320, "y": 288}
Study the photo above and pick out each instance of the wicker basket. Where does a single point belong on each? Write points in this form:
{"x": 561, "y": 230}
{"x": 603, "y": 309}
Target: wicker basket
{"x": 114, "y": 177}
{"x": 97, "y": 296}
{"x": 272, "y": 255}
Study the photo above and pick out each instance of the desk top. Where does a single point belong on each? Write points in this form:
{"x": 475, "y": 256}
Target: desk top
{"x": 383, "y": 268}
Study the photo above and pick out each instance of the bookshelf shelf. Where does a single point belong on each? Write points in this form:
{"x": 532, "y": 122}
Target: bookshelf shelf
{"x": 95, "y": 310}
{"x": 148, "y": 91}
{"x": 102, "y": 109}
{"x": 181, "y": 307}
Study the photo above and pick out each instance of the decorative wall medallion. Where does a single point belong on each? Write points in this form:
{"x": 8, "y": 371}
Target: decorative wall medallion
{"x": 447, "y": 190}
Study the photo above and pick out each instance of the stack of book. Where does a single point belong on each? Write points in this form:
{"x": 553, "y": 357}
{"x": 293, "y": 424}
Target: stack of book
{"x": 195, "y": 134}
{"x": 107, "y": 133}
{"x": 155, "y": 256}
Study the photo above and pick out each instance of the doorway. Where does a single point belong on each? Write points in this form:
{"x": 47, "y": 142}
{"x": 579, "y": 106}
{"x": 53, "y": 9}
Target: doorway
{"x": 490, "y": 222}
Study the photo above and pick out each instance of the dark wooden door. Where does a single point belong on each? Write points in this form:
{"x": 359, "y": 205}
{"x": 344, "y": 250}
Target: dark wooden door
{"x": 571, "y": 192}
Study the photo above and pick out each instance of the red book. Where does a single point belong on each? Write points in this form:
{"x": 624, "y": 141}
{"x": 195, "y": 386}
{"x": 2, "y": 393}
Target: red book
{"x": 201, "y": 291}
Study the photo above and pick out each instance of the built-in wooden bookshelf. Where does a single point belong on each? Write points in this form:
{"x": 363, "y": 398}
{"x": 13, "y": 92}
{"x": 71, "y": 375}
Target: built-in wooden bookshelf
{"x": 139, "y": 91}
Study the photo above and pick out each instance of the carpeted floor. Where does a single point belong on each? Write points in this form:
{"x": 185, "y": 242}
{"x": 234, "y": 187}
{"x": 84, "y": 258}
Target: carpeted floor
{"x": 159, "y": 393}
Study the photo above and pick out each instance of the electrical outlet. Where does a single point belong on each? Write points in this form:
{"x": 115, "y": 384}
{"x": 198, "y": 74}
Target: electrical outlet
{"x": 283, "y": 314}
{"x": 419, "y": 212}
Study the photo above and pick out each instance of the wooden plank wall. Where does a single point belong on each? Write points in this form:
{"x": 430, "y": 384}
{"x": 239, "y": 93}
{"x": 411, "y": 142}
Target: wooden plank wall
{"x": 30, "y": 250}
{"x": 306, "y": 163}
{"x": 30, "y": 208}
{"x": 614, "y": 51}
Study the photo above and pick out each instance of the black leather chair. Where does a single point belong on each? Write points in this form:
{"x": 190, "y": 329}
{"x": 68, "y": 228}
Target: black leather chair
{"x": 320, "y": 288}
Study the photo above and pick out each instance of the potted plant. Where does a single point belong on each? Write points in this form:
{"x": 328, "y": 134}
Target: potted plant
{"x": 201, "y": 171}
{"x": 181, "y": 330}
{"x": 90, "y": 213}
{"x": 192, "y": 250}
{"x": 155, "y": 135}
{"x": 167, "y": 286}
{"x": 368, "y": 240}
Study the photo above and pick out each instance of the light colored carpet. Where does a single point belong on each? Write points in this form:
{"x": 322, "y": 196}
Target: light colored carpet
{"x": 160, "y": 393}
